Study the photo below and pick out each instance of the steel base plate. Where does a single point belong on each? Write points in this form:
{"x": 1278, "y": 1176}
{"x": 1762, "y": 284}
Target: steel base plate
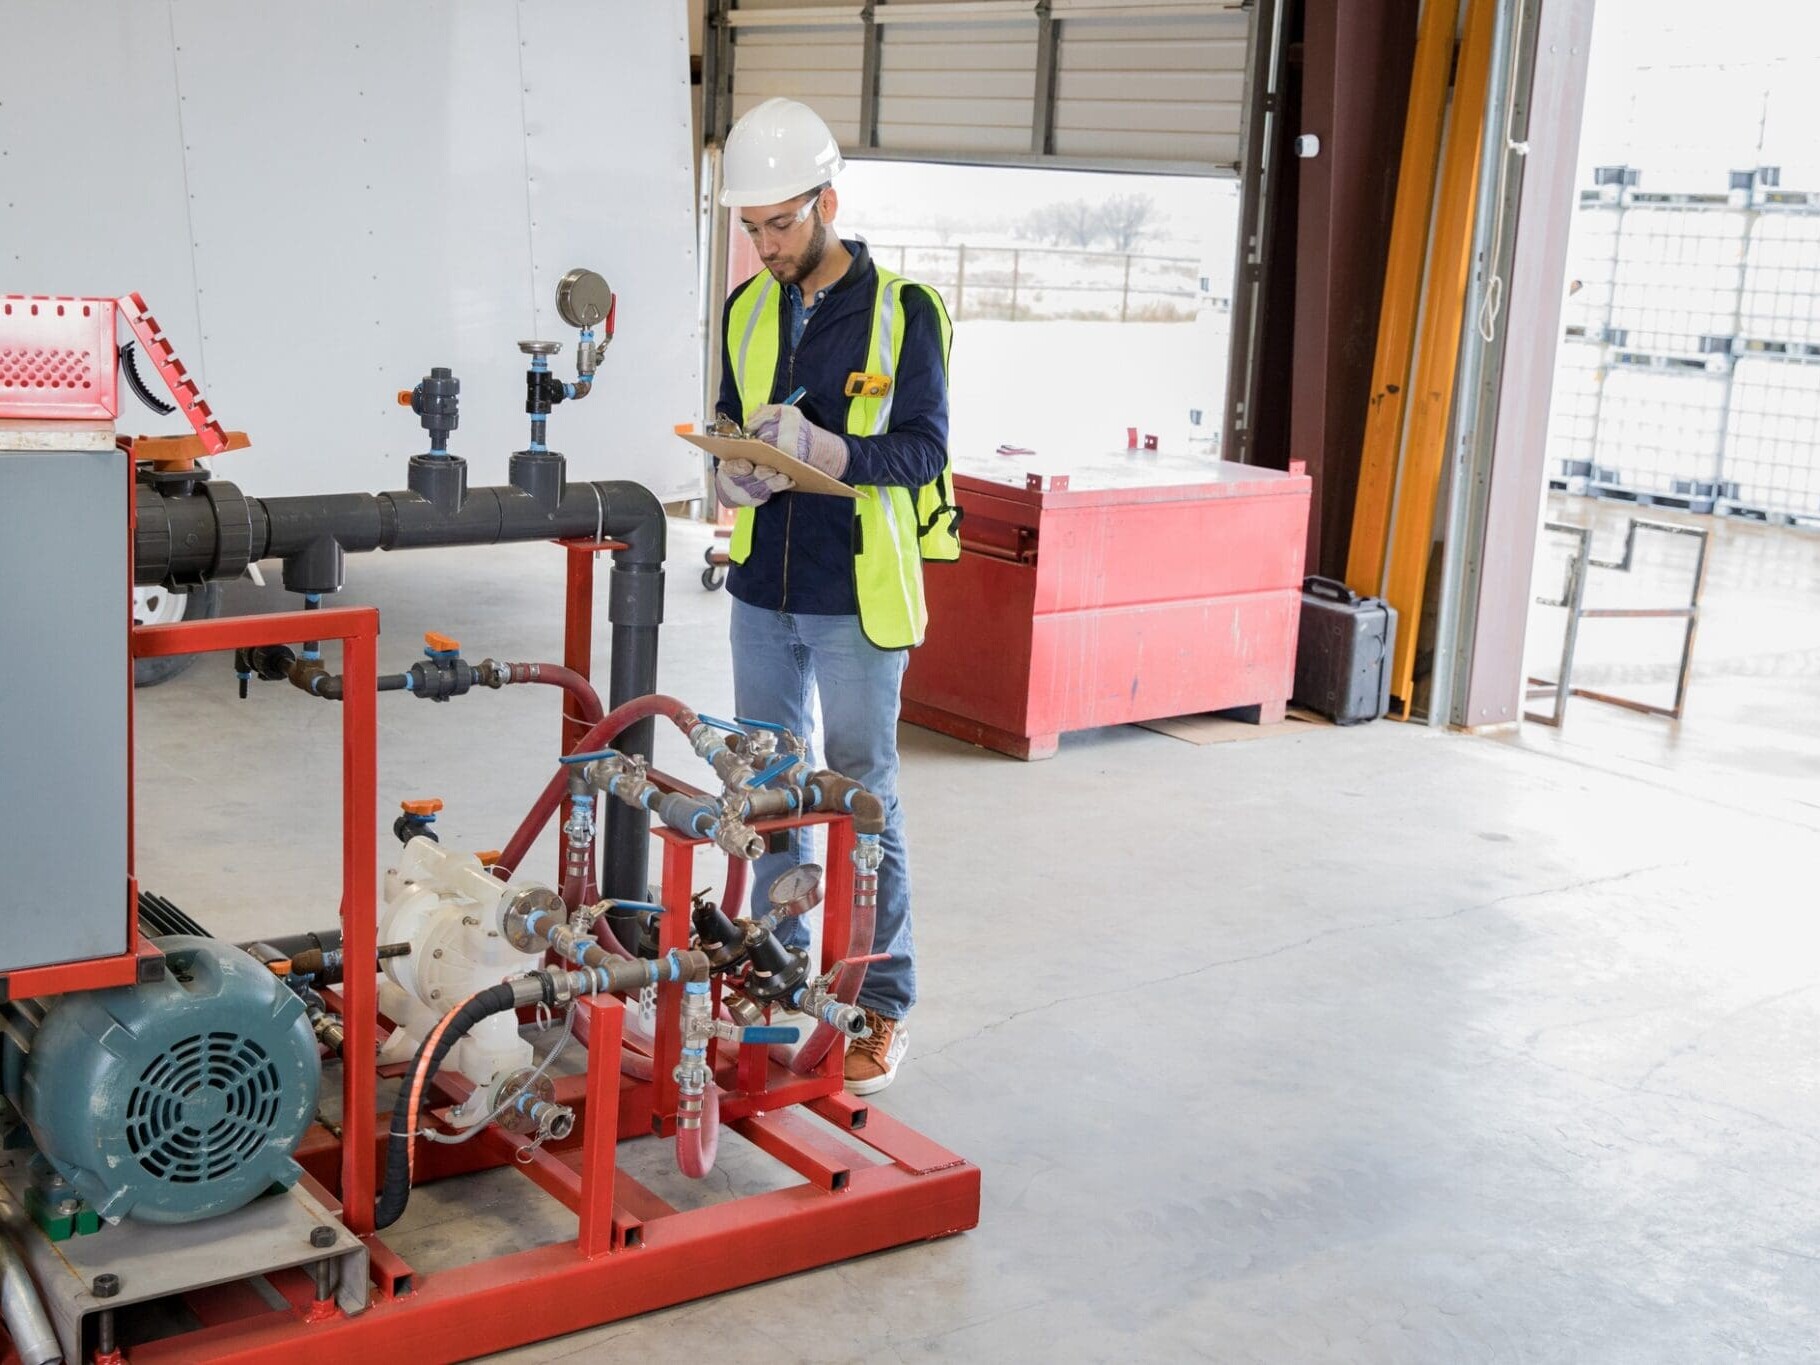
{"x": 153, "y": 1260}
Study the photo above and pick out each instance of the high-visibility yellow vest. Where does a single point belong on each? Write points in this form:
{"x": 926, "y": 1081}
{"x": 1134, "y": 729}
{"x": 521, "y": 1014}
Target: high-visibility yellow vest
{"x": 898, "y": 527}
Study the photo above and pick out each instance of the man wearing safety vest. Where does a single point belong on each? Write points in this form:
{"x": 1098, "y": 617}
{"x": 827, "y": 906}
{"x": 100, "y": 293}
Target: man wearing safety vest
{"x": 828, "y": 591}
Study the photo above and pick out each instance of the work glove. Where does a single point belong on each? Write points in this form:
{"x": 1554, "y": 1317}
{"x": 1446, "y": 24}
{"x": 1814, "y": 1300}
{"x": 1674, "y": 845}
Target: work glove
{"x": 740, "y": 483}
{"x": 794, "y": 434}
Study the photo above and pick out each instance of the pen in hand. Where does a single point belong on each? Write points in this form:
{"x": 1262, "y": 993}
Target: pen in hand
{"x": 790, "y": 402}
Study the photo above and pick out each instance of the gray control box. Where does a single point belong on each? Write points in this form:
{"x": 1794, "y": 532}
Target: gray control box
{"x": 65, "y": 691}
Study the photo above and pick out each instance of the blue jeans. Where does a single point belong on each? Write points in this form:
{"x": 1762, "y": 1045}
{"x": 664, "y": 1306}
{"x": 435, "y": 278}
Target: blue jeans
{"x": 777, "y": 658}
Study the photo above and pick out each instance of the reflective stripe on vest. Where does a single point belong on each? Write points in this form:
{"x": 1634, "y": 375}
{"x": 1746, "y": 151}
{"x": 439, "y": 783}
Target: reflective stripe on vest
{"x": 897, "y": 528}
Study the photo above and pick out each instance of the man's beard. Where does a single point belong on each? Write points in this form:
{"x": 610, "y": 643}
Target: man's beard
{"x": 796, "y": 269}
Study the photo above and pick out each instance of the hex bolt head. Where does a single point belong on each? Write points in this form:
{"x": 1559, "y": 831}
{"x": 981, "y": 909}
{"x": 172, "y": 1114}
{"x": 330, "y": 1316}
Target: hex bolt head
{"x": 322, "y": 1236}
{"x": 105, "y": 1286}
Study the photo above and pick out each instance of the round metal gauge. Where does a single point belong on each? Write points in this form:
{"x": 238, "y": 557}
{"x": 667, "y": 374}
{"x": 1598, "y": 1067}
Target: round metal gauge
{"x": 798, "y": 891}
{"x": 583, "y": 298}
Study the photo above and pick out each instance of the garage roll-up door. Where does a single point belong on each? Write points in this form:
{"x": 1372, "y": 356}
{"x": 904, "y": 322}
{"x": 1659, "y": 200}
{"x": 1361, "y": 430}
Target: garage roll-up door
{"x": 1115, "y": 84}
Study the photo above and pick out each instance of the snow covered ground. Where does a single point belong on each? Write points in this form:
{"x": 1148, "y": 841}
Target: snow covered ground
{"x": 1064, "y": 386}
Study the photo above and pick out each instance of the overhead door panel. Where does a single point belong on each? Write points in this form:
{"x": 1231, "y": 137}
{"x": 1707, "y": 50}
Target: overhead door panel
{"x": 947, "y": 88}
{"x": 1118, "y": 84}
{"x": 1165, "y": 88}
{"x": 812, "y": 53}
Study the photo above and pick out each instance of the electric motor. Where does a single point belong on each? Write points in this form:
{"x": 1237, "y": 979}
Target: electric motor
{"x": 177, "y": 1099}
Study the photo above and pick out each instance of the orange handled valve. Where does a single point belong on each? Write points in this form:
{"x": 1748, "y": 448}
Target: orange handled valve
{"x": 419, "y": 815}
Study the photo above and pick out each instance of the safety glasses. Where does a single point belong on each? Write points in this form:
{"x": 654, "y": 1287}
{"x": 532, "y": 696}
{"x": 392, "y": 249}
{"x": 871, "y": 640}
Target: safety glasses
{"x": 783, "y": 222}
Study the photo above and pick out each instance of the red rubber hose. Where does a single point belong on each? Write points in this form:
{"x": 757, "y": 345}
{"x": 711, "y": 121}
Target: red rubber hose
{"x": 735, "y": 890}
{"x": 808, "y": 1055}
{"x": 587, "y": 701}
{"x": 602, "y": 733}
{"x": 696, "y": 1147}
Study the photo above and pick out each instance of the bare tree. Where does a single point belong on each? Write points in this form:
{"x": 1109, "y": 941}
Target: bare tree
{"x": 1126, "y": 219}
{"x": 947, "y": 227}
{"x": 1075, "y": 223}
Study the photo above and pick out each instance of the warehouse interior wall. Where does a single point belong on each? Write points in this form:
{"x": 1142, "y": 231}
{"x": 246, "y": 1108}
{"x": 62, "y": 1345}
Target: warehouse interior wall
{"x": 1489, "y": 694}
{"x": 316, "y": 223}
{"x": 1347, "y": 84}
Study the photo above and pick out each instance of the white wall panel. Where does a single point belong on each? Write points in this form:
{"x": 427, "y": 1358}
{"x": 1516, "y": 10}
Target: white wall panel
{"x": 341, "y": 195}
{"x": 609, "y": 142}
{"x": 92, "y": 193}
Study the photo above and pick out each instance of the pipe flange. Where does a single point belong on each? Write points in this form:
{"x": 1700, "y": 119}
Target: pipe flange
{"x": 725, "y": 956}
{"x": 233, "y": 529}
{"x": 514, "y": 1118}
{"x": 151, "y": 535}
{"x": 770, "y": 986}
{"x": 516, "y": 909}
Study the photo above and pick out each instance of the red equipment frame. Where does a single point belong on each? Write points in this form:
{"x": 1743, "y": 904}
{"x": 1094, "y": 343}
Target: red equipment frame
{"x": 633, "y": 1252}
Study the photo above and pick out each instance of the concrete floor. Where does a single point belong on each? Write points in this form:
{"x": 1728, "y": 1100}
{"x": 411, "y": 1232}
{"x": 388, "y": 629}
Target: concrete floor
{"x": 1366, "y": 1045}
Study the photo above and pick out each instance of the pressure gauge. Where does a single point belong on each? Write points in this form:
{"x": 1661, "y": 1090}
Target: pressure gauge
{"x": 797, "y": 892}
{"x": 583, "y": 298}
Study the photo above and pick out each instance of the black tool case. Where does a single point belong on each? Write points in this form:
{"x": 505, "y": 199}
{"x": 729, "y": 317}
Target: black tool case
{"x": 1343, "y": 652}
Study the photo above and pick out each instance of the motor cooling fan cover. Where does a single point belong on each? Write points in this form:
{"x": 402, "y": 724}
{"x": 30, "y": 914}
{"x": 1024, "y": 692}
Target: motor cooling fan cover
{"x": 178, "y": 1099}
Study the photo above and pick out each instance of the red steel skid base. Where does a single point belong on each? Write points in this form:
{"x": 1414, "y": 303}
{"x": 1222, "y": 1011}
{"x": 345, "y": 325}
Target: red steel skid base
{"x": 633, "y": 1252}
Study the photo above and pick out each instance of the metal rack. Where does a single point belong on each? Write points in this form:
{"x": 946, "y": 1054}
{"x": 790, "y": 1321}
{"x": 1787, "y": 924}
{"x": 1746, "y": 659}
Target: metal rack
{"x": 1689, "y": 374}
{"x": 1573, "y": 598}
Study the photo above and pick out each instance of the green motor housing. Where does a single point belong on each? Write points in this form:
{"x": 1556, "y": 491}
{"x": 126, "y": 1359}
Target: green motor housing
{"x": 179, "y": 1099}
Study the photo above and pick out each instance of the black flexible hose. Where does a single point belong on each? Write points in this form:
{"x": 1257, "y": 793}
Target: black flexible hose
{"x": 395, "y": 1192}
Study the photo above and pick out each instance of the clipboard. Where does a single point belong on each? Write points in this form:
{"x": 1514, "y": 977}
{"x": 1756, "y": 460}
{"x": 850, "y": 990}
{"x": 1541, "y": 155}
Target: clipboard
{"x": 808, "y": 478}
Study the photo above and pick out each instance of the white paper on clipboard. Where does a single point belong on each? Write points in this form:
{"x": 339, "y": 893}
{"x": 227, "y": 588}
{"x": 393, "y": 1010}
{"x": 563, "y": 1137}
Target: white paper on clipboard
{"x": 808, "y": 478}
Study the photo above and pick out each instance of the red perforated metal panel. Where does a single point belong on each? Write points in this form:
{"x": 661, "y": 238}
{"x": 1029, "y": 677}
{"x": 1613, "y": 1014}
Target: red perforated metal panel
{"x": 157, "y": 349}
{"x": 57, "y": 357}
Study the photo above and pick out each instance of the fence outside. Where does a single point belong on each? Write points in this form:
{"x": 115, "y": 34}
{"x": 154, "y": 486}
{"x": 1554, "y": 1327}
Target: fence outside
{"x": 1030, "y": 284}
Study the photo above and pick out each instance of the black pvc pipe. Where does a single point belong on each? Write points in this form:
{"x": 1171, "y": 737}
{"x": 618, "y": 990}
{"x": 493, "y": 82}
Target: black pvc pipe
{"x": 632, "y": 673}
{"x": 289, "y": 945}
{"x": 186, "y": 538}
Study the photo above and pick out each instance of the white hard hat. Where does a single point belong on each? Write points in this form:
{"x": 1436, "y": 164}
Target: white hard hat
{"x": 777, "y": 151}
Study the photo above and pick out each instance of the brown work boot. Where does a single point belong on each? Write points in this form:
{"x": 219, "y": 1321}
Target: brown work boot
{"x": 872, "y": 1061}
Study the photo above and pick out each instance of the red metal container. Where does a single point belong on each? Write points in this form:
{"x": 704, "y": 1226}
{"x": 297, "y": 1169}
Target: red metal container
{"x": 57, "y": 358}
{"x": 1129, "y": 590}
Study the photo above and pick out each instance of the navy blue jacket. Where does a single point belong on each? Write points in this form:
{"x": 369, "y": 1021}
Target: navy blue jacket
{"x": 802, "y": 543}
